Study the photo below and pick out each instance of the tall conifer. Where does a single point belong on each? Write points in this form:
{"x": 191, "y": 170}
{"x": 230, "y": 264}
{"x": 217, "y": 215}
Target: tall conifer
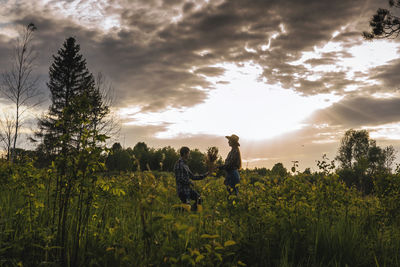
{"x": 70, "y": 135}
{"x": 69, "y": 80}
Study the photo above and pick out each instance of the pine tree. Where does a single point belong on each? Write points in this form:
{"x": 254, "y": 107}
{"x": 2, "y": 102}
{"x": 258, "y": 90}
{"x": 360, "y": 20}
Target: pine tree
{"x": 69, "y": 80}
{"x": 70, "y": 135}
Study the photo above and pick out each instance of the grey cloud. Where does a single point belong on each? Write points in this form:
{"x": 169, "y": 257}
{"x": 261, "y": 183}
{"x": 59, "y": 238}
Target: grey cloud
{"x": 187, "y": 7}
{"x": 388, "y": 74}
{"x": 321, "y": 61}
{"x": 149, "y": 58}
{"x": 211, "y": 71}
{"x": 223, "y": 82}
{"x": 331, "y": 81}
{"x": 357, "y": 111}
{"x": 349, "y": 39}
{"x": 172, "y": 2}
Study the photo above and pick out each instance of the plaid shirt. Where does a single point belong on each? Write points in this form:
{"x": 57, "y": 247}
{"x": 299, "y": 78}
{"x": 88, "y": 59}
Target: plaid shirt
{"x": 233, "y": 160}
{"x": 183, "y": 176}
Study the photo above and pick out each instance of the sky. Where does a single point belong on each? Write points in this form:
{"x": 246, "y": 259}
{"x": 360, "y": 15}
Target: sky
{"x": 288, "y": 77}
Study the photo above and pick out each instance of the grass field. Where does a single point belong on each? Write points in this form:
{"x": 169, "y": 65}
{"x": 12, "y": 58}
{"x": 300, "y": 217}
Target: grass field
{"x": 133, "y": 219}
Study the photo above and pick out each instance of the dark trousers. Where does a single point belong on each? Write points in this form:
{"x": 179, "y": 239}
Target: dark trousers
{"x": 231, "y": 180}
{"x": 190, "y": 194}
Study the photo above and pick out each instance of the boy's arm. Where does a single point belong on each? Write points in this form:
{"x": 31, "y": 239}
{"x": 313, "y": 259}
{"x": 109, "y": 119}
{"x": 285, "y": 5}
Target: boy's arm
{"x": 196, "y": 177}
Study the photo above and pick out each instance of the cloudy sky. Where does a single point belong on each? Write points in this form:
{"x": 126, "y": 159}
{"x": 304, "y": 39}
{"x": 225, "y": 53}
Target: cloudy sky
{"x": 289, "y": 77}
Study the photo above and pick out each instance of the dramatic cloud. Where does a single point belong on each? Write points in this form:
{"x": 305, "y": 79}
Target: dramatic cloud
{"x": 172, "y": 54}
{"x": 159, "y": 52}
{"x": 354, "y": 112}
{"x": 388, "y": 75}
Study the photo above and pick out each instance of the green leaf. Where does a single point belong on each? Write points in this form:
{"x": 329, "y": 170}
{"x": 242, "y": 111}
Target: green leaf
{"x": 209, "y": 236}
{"x": 199, "y": 258}
{"x": 168, "y": 217}
{"x": 241, "y": 263}
{"x": 219, "y": 256}
{"x": 229, "y": 243}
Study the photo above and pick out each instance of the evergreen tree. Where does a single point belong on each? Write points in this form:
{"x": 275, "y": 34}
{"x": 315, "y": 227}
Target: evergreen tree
{"x": 70, "y": 135}
{"x": 69, "y": 80}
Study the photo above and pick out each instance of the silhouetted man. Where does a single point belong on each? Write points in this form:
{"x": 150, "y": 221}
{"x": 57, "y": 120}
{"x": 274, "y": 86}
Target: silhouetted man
{"x": 183, "y": 182}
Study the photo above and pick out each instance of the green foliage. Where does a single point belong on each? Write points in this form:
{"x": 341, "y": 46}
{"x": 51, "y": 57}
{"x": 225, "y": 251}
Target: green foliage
{"x": 360, "y": 159}
{"x": 387, "y": 188}
{"x": 119, "y": 159}
{"x": 197, "y": 161}
{"x": 384, "y": 24}
{"x": 72, "y": 139}
{"x": 134, "y": 219}
{"x": 279, "y": 170}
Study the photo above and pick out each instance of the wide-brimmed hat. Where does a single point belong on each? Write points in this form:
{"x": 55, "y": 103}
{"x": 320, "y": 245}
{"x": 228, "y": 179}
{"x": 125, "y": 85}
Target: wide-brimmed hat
{"x": 234, "y": 138}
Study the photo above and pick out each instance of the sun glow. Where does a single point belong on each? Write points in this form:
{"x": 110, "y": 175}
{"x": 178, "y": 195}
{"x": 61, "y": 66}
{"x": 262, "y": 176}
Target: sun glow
{"x": 246, "y": 106}
{"x": 362, "y": 58}
{"x": 91, "y": 13}
{"x": 390, "y": 131}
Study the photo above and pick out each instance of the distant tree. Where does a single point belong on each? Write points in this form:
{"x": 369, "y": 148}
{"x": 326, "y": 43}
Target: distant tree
{"x": 360, "y": 159}
{"x": 196, "y": 161}
{"x": 261, "y": 171}
{"x": 116, "y": 147}
{"x": 375, "y": 159}
{"x": 307, "y": 171}
{"x": 389, "y": 157}
{"x": 109, "y": 123}
{"x": 353, "y": 147}
{"x": 19, "y": 82}
{"x": 23, "y": 156}
{"x": 141, "y": 152}
{"x": 119, "y": 159}
{"x": 384, "y": 24}
{"x": 7, "y": 124}
{"x": 279, "y": 170}
{"x": 155, "y": 159}
{"x": 169, "y": 159}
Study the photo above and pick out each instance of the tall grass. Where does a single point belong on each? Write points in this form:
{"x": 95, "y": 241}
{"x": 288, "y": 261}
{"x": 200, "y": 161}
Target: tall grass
{"x": 134, "y": 220}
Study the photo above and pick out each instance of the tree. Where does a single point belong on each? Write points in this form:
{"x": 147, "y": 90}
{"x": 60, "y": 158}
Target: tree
{"x": 279, "y": 170}
{"x": 197, "y": 161}
{"x": 69, "y": 79}
{"x": 109, "y": 124}
{"x": 261, "y": 171}
{"x": 360, "y": 159}
{"x": 19, "y": 83}
{"x": 170, "y": 156}
{"x": 7, "y": 124}
{"x": 384, "y": 24}
{"x": 70, "y": 132}
{"x": 119, "y": 159}
{"x": 353, "y": 147}
{"x": 141, "y": 153}
{"x": 155, "y": 159}
{"x": 389, "y": 157}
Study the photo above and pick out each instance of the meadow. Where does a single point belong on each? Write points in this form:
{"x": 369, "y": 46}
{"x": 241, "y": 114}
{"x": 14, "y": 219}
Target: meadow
{"x": 134, "y": 219}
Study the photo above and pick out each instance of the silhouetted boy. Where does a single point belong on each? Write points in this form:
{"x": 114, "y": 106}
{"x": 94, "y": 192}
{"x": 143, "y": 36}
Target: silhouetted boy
{"x": 183, "y": 182}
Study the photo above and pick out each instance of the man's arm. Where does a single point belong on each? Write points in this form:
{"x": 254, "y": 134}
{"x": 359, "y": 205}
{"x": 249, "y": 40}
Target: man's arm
{"x": 196, "y": 177}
